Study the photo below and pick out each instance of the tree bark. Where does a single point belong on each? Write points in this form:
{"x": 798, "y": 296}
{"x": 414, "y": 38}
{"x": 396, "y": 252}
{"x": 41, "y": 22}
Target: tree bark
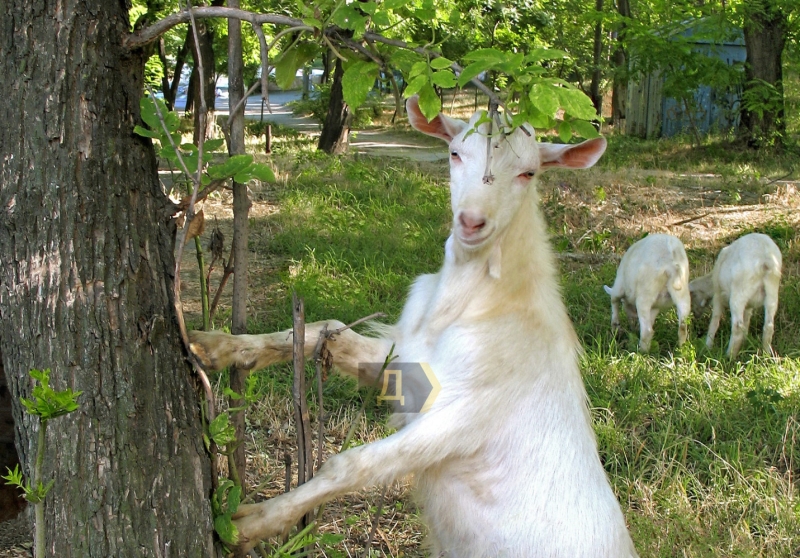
{"x": 335, "y": 129}
{"x": 241, "y": 208}
{"x": 765, "y": 31}
{"x": 597, "y": 54}
{"x": 619, "y": 61}
{"x": 204, "y": 50}
{"x": 86, "y": 245}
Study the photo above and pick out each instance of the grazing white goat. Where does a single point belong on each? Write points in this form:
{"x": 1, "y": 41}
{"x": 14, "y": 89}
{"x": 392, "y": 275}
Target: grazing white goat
{"x": 505, "y": 460}
{"x": 746, "y": 276}
{"x": 652, "y": 276}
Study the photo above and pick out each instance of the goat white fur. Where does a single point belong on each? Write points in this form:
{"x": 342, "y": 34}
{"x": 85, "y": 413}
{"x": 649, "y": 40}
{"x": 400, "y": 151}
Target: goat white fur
{"x": 746, "y": 276}
{"x": 505, "y": 461}
{"x": 652, "y": 276}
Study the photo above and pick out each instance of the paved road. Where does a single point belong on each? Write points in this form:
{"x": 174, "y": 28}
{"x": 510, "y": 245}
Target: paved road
{"x": 378, "y": 143}
{"x": 278, "y": 112}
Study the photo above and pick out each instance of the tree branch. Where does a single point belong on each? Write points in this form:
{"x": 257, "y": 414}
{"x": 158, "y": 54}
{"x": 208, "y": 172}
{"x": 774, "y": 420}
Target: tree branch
{"x": 151, "y": 33}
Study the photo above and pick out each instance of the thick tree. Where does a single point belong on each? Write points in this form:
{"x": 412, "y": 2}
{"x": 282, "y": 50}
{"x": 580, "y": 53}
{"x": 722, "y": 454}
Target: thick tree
{"x": 85, "y": 289}
{"x": 765, "y": 28}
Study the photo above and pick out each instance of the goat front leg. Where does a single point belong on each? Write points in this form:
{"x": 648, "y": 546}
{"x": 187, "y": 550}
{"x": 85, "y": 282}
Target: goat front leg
{"x": 433, "y": 437}
{"x": 351, "y": 351}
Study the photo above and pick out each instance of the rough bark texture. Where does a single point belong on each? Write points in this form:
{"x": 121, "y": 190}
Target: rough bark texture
{"x": 85, "y": 289}
{"x": 335, "y": 129}
{"x": 765, "y": 37}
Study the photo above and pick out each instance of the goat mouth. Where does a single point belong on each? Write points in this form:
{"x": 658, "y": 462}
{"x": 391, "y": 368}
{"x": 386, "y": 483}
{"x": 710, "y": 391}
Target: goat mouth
{"x": 474, "y": 241}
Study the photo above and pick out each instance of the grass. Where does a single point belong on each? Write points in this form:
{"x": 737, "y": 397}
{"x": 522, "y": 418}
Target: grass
{"x": 702, "y": 452}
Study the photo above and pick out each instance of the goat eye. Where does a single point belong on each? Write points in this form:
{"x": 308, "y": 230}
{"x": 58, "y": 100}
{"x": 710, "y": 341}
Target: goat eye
{"x": 528, "y": 175}
{"x": 455, "y": 156}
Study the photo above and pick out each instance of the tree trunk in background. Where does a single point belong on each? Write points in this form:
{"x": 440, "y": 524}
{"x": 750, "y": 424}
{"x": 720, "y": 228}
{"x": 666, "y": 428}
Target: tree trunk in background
{"x": 619, "y": 61}
{"x": 205, "y": 46}
{"x": 597, "y": 74}
{"x": 170, "y": 88}
{"x": 241, "y": 208}
{"x": 335, "y": 129}
{"x": 765, "y": 31}
{"x": 86, "y": 245}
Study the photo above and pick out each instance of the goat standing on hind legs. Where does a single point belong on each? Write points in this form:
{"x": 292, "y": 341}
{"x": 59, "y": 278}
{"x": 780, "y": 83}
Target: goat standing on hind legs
{"x": 505, "y": 461}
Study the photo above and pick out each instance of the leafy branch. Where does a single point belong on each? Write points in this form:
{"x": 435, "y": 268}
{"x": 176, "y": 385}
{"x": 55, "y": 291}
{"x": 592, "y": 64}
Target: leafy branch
{"x": 530, "y": 94}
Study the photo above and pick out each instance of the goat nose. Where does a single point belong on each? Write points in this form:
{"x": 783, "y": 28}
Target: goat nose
{"x": 471, "y": 221}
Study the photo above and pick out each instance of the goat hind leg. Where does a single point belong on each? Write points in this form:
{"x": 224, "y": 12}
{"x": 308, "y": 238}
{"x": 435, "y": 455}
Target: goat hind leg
{"x": 770, "y": 308}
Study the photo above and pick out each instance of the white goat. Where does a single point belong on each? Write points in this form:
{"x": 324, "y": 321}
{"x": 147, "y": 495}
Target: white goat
{"x": 746, "y": 276}
{"x": 505, "y": 460}
{"x": 652, "y": 276}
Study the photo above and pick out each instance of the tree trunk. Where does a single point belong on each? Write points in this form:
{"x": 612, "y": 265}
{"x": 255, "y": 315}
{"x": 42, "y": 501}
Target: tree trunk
{"x": 335, "y": 129}
{"x": 597, "y": 55}
{"x": 86, "y": 246}
{"x": 241, "y": 208}
{"x": 205, "y": 49}
{"x": 765, "y": 31}
{"x": 619, "y": 61}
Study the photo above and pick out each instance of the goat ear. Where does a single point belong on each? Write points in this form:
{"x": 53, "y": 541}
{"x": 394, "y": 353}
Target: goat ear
{"x": 580, "y": 156}
{"x": 441, "y": 126}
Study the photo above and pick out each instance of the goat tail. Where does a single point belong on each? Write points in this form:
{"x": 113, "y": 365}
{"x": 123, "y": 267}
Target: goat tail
{"x": 676, "y": 276}
{"x": 609, "y": 291}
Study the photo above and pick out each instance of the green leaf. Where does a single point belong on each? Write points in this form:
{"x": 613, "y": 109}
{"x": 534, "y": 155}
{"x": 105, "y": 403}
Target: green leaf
{"x": 147, "y": 111}
{"x": 576, "y": 103}
{"x": 539, "y": 54}
{"x": 419, "y": 68}
{"x": 584, "y": 129}
{"x": 564, "y": 131}
{"x": 243, "y": 177}
{"x": 228, "y": 392}
{"x": 292, "y": 60}
{"x": 381, "y": 19}
{"x": 347, "y": 17}
{"x": 357, "y": 81}
{"x": 213, "y": 144}
{"x": 395, "y": 4}
{"x": 490, "y": 55}
{"x": 221, "y": 430}
{"x": 512, "y": 64}
{"x": 232, "y": 166}
{"x": 312, "y": 22}
{"x": 415, "y": 85}
{"x": 472, "y": 71}
{"x": 263, "y": 173}
{"x": 446, "y": 79}
{"x": 545, "y": 98}
{"x": 441, "y": 63}
{"x": 429, "y": 102}
{"x": 145, "y": 132}
{"x": 368, "y": 7}
{"x": 226, "y": 529}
